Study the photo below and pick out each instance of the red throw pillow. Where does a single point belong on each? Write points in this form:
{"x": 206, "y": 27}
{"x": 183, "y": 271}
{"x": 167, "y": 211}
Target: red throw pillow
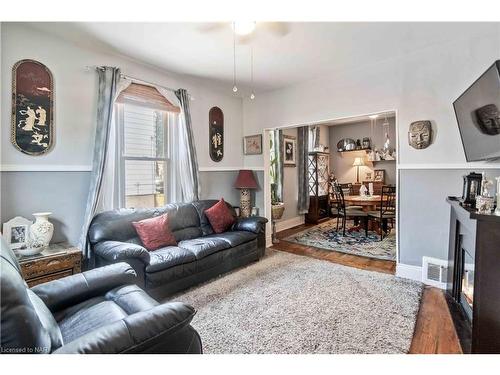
{"x": 155, "y": 232}
{"x": 220, "y": 216}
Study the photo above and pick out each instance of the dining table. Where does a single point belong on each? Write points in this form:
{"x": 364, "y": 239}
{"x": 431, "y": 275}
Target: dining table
{"x": 367, "y": 203}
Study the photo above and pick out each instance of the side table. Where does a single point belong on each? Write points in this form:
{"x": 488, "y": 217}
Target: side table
{"x": 56, "y": 261}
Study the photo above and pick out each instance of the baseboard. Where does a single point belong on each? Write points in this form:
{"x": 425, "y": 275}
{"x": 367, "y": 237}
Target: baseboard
{"x": 289, "y": 223}
{"x": 407, "y": 271}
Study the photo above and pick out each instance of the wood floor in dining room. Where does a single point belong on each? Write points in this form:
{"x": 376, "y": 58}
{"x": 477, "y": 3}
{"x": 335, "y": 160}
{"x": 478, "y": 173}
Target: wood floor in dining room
{"x": 434, "y": 330}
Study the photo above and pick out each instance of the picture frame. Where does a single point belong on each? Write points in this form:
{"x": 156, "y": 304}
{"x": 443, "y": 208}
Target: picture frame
{"x": 289, "y": 151}
{"x": 16, "y": 232}
{"x": 369, "y": 176}
{"x": 252, "y": 144}
{"x": 379, "y": 175}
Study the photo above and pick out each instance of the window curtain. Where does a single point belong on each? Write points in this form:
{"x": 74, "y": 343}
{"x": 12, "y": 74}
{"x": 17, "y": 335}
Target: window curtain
{"x": 278, "y": 164}
{"x": 183, "y": 172}
{"x": 100, "y": 197}
{"x": 302, "y": 172}
{"x": 190, "y": 177}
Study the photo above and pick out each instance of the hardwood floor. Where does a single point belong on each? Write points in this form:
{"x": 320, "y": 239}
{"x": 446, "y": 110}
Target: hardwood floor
{"x": 434, "y": 330}
{"x": 385, "y": 266}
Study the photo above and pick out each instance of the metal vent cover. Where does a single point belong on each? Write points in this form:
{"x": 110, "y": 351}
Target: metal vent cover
{"x": 434, "y": 271}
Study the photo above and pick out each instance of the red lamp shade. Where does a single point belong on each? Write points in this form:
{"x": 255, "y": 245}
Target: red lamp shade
{"x": 245, "y": 180}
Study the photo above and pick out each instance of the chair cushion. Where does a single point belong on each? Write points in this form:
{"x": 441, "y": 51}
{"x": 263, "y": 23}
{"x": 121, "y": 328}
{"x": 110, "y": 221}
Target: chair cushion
{"x": 89, "y": 316}
{"x": 117, "y": 304}
{"x": 354, "y": 212}
{"x": 201, "y": 247}
{"x": 334, "y": 210}
{"x": 155, "y": 232}
{"x": 169, "y": 257}
{"x": 386, "y": 215}
{"x": 220, "y": 216}
{"x": 234, "y": 238}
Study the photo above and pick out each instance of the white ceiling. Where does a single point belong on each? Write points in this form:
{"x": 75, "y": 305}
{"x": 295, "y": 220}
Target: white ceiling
{"x": 300, "y": 51}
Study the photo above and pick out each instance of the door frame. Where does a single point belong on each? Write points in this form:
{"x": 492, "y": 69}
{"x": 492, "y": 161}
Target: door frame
{"x": 266, "y": 156}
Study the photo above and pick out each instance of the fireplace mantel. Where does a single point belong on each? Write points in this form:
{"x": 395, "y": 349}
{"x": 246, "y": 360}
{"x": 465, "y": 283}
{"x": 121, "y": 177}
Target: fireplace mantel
{"x": 474, "y": 269}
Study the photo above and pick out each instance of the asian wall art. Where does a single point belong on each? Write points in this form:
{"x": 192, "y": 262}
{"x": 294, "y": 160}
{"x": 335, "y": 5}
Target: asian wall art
{"x": 216, "y": 134}
{"x": 32, "y": 130}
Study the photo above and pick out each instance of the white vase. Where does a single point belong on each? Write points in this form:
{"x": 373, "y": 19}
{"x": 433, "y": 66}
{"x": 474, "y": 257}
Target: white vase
{"x": 42, "y": 229}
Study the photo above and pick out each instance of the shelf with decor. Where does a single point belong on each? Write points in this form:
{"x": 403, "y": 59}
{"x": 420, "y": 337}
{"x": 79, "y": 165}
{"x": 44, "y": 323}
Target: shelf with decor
{"x": 318, "y": 177}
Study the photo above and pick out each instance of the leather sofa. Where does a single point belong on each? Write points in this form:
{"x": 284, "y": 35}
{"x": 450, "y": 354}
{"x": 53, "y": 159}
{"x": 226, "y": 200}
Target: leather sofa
{"x": 199, "y": 255}
{"x": 98, "y": 311}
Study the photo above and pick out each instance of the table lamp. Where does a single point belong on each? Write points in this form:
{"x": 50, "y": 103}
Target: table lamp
{"x": 245, "y": 181}
{"x": 358, "y": 162}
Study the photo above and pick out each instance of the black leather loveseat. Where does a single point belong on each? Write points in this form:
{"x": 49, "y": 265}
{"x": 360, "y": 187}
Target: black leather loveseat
{"x": 98, "y": 311}
{"x": 199, "y": 255}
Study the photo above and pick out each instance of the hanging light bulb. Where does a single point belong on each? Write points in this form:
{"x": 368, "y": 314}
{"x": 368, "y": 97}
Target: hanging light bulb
{"x": 252, "y": 96}
{"x": 235, "y": 88}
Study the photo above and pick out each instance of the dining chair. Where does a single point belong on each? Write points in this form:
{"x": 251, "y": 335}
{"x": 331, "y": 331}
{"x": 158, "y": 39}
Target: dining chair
{"x": 350, "y": 212}
{"x": 386, "y": 210}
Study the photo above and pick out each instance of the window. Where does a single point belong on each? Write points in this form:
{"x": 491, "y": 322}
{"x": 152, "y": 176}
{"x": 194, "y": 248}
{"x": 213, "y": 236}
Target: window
{"x": 144, "y": 161}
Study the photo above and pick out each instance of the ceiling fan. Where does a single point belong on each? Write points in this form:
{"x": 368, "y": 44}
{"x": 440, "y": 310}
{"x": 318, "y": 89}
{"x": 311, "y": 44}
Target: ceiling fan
{"x": 246, "y": 29}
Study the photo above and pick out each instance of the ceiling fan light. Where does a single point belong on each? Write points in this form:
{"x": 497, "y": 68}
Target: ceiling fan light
{"x": 252, "y": 96}
{"x": 243, "y": 27}
{"x": 235, "y": 89}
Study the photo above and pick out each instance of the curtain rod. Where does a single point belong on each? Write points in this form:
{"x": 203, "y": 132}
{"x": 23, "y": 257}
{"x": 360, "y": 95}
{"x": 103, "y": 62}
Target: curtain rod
{"x": 89, "y": 67}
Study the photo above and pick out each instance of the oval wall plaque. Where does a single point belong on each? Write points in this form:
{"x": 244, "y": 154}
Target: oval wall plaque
{"x": 32, "y": 107}
{"x": 216, "y": 133}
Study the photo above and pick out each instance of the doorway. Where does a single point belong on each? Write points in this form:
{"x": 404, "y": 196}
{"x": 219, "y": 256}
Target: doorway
{"x": 360, "y": 154}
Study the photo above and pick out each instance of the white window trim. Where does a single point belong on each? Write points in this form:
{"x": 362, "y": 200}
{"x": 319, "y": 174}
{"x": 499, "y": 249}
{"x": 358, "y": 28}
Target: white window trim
{"x": 123, "y": 158}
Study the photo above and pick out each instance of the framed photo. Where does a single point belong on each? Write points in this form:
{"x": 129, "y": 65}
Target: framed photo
{"x": 289, "y": 151}
{"x": 252, "y": 144}
{"x": 379, "y": 175}
{"x": 368, "y": 176}
{"x": 16, "y": 232}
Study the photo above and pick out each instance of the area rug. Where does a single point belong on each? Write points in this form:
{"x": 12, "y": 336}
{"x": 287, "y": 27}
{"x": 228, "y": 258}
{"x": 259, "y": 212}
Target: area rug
{"x": 324, "y": 236}
{"x": 288, "y": 304}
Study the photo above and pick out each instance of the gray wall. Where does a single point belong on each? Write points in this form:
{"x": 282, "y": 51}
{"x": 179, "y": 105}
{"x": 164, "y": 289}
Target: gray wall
{"x": 219, "y": 184}
{"x": 65, "y": 195}
{"x": 341, "y": 164}
{"x": 62, "y": 193}
{"x": 424, "y": 215}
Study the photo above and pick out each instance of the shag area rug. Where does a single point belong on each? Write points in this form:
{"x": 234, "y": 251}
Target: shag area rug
{"x": 287, "y": 303}
{"x": 324, "y": 236}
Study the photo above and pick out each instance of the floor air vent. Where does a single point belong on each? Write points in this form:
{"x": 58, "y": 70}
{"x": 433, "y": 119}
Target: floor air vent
{"x": 434, "y": 272}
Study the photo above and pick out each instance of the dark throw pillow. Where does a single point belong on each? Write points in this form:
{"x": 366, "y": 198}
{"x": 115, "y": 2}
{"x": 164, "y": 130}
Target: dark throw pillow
{"x": 155, "y": 232}
{"x": 220, "y": 216}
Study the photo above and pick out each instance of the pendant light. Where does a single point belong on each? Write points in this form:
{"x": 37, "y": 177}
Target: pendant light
{"x": 235, "y": 88}
{"x": 252, "y": 95}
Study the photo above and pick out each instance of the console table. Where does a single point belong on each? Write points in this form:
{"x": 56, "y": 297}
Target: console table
{"x": 473, "y": 279}
{"x": 57, "y": 261}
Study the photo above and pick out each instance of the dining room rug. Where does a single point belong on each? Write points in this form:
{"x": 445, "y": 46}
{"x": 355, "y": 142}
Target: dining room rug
{"x": 292, "y": 304}
{"x": 324, "y": 236}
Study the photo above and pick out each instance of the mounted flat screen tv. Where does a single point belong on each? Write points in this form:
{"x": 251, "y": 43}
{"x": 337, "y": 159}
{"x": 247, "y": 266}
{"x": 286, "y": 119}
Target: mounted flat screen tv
{"x": 478, "y": 116}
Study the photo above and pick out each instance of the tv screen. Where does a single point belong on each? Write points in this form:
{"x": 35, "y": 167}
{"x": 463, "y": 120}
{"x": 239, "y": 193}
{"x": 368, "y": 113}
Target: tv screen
{"x": 478, "y": 116}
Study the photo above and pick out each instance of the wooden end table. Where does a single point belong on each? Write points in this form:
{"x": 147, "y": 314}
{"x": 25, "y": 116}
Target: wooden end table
{"x": 56, "y": 261}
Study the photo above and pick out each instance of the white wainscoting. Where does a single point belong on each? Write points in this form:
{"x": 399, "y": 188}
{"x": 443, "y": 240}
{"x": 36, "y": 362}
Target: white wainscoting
{"x": 407, "y": 271}
{"x": 289, "y": 223}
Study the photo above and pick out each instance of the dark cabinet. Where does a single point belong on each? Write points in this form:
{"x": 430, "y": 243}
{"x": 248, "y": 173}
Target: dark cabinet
{"x": 319, "y": 201}
{"x": 473, "y": 280}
